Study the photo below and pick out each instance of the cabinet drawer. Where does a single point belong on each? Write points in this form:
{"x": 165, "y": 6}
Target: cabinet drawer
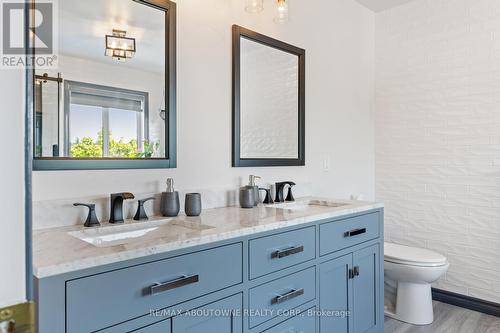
{"x": 303, "y": 323}
{"x": 338, "y": 235}
{"x": 222, "y": 316}
{"x": 105, "y": 299}
{"x": 273, "y": 253}
{"x": 273, "y": 298}
{"x": 162, "y": 327}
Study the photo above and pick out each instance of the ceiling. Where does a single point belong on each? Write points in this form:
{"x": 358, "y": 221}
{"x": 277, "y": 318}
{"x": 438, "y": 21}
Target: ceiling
{"x": 84, "y": 24}
{"x": 381, "y": 5}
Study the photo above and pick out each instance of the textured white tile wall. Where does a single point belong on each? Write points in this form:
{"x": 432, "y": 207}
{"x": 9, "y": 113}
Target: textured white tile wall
{"x": 438, "y": 135}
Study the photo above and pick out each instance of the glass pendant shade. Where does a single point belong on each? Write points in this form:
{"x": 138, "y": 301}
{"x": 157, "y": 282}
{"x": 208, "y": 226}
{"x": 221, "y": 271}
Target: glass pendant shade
{"x": 254, "y": 6}
{"x": 282, "y": 12}
{"x": 120, "y": 47}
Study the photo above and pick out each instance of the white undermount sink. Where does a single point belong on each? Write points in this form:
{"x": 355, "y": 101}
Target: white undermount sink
{"x": 106, "y": 236}
{"x": 304, "y": 204}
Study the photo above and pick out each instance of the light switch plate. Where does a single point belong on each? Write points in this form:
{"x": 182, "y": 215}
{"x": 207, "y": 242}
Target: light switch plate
{"x": 326, "y": 163}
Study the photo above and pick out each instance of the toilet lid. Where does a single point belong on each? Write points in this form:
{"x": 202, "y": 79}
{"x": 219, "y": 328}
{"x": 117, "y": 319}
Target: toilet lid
{"x": 412, "y": 255}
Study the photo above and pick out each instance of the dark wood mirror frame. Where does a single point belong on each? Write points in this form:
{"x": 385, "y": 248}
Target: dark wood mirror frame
{"x": 170, "y": 159}
{"x": 238, "y": 33}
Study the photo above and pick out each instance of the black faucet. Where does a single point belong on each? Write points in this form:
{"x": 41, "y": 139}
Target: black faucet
{"x": 279, "y": 191}
{"x": 116, "y": 215}
{"x": 92, "y": 220}
{"x": 269, "y": 198}
{"x": 141, "y": 212}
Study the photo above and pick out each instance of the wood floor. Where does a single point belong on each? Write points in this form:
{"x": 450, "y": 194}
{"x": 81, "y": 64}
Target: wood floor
{"x": 449, "y": 319}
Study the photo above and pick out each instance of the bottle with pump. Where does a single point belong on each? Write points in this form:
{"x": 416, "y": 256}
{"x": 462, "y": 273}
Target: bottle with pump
{"x": 252, "y": 184}
{"x": 170, "y": 204}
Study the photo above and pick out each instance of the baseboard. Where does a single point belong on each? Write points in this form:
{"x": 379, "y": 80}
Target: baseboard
{"x": 467, "y": 302}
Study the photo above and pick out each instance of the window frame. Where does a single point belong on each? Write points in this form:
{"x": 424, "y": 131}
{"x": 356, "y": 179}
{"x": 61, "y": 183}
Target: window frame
{"x": 97, "y": 90}
{"x": 170, "y": 159}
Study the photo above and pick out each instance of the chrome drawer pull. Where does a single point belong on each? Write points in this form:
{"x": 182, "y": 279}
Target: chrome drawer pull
{"x": 354, "y": 232}
{"x": 283, "y": 298}
{"x": 287, "y": 252}
{"x": 159, "y": 288}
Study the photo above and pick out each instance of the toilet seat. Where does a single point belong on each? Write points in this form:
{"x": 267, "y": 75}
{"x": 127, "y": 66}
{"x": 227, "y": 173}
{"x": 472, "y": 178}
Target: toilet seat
{"x": 412, "y": 256}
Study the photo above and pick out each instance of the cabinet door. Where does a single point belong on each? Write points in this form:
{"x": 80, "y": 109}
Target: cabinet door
{"x": 161, "y": 327}
{"x": 302, "y": 323}
{"x": 223, "y": 316}
{"x": 365, "y": 290}
{"x": 335, "y": 295}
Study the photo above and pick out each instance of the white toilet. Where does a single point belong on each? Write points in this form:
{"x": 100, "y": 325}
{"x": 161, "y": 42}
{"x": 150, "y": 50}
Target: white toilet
{"x": 409, "y": 272}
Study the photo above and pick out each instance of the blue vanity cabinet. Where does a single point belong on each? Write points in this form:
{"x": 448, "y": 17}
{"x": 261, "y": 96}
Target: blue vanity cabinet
{"x": 273, "y": 253}
{"x": 333, "y": 267}
{"x": 136, "y": 290}
{"x": 282, "y": 295}
{"x": 338, "y": 235}
{"x": 350, "y": 293}
{"x": 335, "y": 294}
{"x": 223, "y": 316}
{"x": 366, "y": 293}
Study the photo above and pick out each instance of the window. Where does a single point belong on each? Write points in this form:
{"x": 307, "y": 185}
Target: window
{"x": 104, "y": 121}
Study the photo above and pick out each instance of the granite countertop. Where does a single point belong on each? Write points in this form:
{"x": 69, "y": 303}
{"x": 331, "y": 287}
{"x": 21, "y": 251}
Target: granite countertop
{"x": 57, "y": 250}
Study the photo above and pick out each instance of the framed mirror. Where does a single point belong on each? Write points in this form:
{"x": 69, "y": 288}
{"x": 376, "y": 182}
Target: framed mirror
{"x": 268, "y": 101}
{"x": 110, "y": 102}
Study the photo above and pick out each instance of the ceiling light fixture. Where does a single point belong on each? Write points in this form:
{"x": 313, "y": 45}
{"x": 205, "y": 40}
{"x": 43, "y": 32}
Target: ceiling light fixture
{"x": 282, "y": 12}
{"x": 118, "y": 46}
{"x": 254, "y": 6}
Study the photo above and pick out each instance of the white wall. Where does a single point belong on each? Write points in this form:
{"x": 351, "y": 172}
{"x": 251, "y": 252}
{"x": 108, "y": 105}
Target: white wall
{"x": 12, "y": 268}
{"x": 438, "y": 135}
{"x": 338, "y": 37}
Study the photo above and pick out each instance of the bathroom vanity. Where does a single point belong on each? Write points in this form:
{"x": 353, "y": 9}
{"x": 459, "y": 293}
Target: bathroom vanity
{"x": 308, "y": 266}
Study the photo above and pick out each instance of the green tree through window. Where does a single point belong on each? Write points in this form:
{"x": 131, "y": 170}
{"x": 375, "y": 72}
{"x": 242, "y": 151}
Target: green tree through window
{"x": 87, "y": 147}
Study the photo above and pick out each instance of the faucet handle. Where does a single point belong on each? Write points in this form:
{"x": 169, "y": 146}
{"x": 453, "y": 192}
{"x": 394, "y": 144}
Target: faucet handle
{"x": 141, "y": 212}
{"x": 142, "y": 201}
{"x": 289, "y": 196}
{"x": 92, "y": 220}
{"x": 268, "y": 199}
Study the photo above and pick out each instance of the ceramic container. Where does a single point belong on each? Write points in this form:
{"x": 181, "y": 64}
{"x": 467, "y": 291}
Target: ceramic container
{"x": 247, "y": 197}
{"x": 192, "y": 205}
{"x": 170, "y": 205}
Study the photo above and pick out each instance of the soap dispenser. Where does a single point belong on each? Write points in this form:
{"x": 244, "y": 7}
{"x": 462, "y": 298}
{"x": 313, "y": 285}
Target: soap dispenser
{"x": 170, "y": 205}
{"x": 252, "y": 184}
